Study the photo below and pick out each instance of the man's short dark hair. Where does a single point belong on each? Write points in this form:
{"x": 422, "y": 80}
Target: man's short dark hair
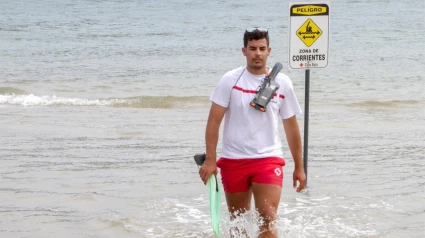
{"x": 255, "y": 34}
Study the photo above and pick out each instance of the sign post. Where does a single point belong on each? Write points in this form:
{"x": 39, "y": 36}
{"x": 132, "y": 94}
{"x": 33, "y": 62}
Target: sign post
{"x": 308, "y": 48}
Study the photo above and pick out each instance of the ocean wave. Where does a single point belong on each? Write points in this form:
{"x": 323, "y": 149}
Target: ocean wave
{"x": 158, "y": 101}
{"x": 132, "y": 102}
{"x": 10, "y": 90}
{"x": 385, "y": 104}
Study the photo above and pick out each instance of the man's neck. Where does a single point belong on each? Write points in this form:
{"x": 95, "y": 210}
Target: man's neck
{"x": 257, "y": 71}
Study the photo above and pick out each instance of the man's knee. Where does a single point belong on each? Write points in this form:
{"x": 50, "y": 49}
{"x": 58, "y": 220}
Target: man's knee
{"x": 268, "y": 215}
{"x": 268, "y": 225}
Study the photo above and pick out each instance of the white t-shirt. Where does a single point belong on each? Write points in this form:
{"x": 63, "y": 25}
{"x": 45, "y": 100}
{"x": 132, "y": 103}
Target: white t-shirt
{"x": 249, "y": 133}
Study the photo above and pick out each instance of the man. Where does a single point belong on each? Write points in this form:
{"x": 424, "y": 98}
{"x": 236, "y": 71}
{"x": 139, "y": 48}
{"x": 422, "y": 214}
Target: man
{"x": 251, "y": 159}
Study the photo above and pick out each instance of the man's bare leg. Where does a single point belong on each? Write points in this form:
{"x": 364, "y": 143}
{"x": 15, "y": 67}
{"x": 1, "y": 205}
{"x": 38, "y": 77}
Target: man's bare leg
{"x": 267, "y": 197}
{"x": 238, "y": 203}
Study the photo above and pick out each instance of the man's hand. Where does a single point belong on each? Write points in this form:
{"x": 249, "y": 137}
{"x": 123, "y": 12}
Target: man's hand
{"x": 207, "y": 169}
{"x": 299, "y": 179}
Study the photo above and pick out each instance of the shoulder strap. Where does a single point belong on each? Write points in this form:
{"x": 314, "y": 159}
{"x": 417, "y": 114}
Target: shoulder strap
{"x": 235, "y": 85}
{"x": 239, "y": 78}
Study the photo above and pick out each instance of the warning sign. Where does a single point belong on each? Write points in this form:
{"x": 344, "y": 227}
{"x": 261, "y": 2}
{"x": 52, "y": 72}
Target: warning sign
{"x": 308, "y": 10}
{"x": 308, "y": 35}
{"x": 309, "y": 32}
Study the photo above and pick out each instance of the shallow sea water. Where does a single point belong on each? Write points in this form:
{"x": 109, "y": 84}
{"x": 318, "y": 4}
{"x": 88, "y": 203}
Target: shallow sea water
{"x": 104, "y": 103}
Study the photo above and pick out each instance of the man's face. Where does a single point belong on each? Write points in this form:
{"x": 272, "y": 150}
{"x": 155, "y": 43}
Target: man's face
{"x": 256, "y": 53}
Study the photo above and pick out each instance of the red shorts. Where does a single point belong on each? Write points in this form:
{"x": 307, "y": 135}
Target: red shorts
{"x": 237, "y": 175}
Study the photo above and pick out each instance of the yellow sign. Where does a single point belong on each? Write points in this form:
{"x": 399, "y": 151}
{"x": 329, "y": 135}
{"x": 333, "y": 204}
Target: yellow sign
{"x": 309, "y": 32}
{"x": 309, "y": 10}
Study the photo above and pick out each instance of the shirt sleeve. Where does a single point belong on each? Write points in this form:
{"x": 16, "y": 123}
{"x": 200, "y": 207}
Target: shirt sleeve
{"x": 223, "y": 90}
{"x": 290, "y": 105}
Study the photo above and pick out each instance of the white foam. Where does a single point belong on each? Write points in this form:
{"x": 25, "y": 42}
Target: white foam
{"x": 189, "y": 214}
{"x": 33, "y": 100}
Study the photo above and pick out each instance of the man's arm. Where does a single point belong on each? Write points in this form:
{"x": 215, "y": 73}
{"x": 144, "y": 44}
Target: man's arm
{"x": 211, "y": 139}
{"x": 294, "y": 142}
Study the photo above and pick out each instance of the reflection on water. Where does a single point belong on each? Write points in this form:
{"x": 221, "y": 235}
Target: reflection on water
{"x": 104, "y": 104}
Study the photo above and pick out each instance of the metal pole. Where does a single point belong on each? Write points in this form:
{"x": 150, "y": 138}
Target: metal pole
{"x": 306, "y": 113}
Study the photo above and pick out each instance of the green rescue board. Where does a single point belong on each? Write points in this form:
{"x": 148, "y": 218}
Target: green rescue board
{"x": 213, "y": 195}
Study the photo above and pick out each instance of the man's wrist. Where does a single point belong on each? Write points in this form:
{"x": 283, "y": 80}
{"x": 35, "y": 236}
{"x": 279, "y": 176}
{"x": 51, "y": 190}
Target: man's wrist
{"x": 299, "y": 168}
{"x": 211, "y": 156}
{"x": 299, "y": 163}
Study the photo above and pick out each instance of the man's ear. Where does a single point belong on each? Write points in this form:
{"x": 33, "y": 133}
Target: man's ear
{"x": 244, "y": 51}
{"x": 270, "y": 49}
